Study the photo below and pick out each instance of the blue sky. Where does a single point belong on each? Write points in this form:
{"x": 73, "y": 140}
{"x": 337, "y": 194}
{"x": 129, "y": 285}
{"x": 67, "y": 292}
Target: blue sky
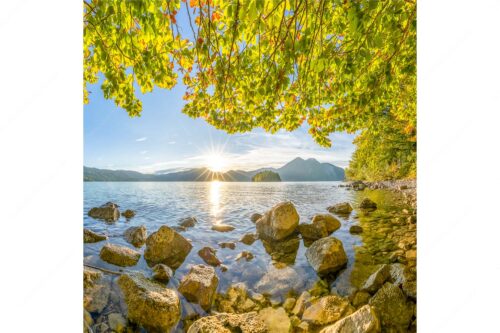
{"x": 165, "y": 138}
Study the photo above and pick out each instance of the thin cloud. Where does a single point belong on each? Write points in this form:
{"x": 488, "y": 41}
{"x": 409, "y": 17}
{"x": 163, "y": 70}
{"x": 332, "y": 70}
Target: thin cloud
{"x": 171, "y": 142}
{"x": 144, "y": 152}
{"x": 141, "y": 139}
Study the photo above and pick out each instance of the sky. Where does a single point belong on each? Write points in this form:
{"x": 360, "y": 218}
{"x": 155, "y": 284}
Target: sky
{"x": 163, "y": 138}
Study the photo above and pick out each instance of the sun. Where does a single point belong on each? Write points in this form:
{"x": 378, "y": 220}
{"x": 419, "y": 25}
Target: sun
{"x": 216, "y": 162}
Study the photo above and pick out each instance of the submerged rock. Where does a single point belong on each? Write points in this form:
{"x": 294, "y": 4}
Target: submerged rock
{"x": 128, "y": 214}
{"x": 208, "y": 255}
{"x": 283, "y": 251}
{"x": 222, "y": 227}
{"x": 327, "y": 310}
{"x": 136, "y": 235}
{"x": 162, "y": 273}
{"x": 229, "y": 245}
{"x": 276, "y": 320}
{"x": 279, "y": 281}
{"x": 119, "y": 255}
{"x": 246, "y": 255}
{"x": 255, "y": 217}
{"x": 96, "y": 290}
{"x": 248, "y": 239}
{"x": 279, "y": 222}
{"x": 188, "y": 222}
{"x": 149, "y": 303}
{"x": 368, "y": 204}
{"x": 313, "y": 231}
{"x": 92, "y": 237}
{"x": 229, "y": 323}
{"x": 355, "y": 229}
{"x": 331, "y": 223}
{"x": 302, "y": 302}
{"x": 199, "y": 285}
{"x": 116, "y": 322}
{"x": 166, "y": 246}
{"x": 343, "y": 208}
{"x": 362, "y": 321}
{"x": 326, "y": 255}
{"x": 109, "y": 212}
{"x": 392, "y": 307}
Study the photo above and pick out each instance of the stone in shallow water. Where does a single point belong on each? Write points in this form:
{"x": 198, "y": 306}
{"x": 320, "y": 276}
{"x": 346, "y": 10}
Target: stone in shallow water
{"x": 248, "y": 239}
{"x": 229, "y": 323}
{"x": 208, "y": 255}
{"x": 362, "y": 321}
{"x": 119, "y": 255}
{"x": 245, "y": 255}
{"x": 149, "y": 303}
{"x": 326, "y": 255}
{"x": 162, "y": 273}
{"x": 229, "y": 245}
{"x": 222, "y": 227}
{"x": 116, "y": 322}
{"x": 392, "y": 307}
{"x": 199, "y": 285}
{"x": 332, "y": 224}
{"x": 166, "y": 246}
{"x": 255, "y": 217}
{"x": 108, "y": 212}
{"x": 327, "y": 310}
{"x": 355, "y": 229}
{"x": 128, "y": 214}
{"x": 343, "y": 208}
{"x": 368, "y": 204}
{"x": 377, "y": 279}
{"x": 302, "y": 302}
{"x": 280, "y": 281}
{"x": 283, "y": 251}
{"x": 279, "y": 222}
{"x": 92, "y": 237}
{"x": 313, "y": 231}
{"x": 96, "y": 290}
{"x": 188, "y": 222}
{"x": 136, "y": 235}
{"x": 276, "y": 320}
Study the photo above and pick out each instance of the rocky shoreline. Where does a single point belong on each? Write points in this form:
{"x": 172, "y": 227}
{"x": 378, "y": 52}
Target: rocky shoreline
{"x": 128, "y": 301}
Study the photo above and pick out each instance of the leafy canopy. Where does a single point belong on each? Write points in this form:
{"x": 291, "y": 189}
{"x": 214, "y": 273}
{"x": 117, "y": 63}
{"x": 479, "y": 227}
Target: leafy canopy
{"x": 338, "y": 65}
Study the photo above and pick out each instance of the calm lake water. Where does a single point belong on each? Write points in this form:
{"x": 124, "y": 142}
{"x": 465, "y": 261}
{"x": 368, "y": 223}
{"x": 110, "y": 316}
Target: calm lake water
{"x": 275, "y": 269}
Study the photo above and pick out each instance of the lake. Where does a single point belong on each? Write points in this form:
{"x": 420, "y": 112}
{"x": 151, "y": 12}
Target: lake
{"x": 275, "y": 269}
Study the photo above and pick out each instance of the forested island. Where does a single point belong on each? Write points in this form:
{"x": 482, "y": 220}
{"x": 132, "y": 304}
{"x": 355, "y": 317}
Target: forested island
{"x": 266, "y": 176}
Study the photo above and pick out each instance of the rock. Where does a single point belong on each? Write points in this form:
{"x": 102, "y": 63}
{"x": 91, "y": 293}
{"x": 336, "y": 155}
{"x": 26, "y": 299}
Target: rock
{"x": 279, "y": 222}
{"x": 283, "y": 251}
{"x": 343, "y": 208}
{"x": 222, "y": 227}
{"x": 96, "y": 290}
{"x": 248, "y": 239}
{"x": 411, "y": 255}
{"x": 368, "y": 204}
{"x": 116, "y": 322}
{"x": 326, "y": 255}
{"x": 229, "y": 323}
{"x": 410, "y": 289}
{"x": 188, "y": 222}
{"x": 255, "y": 217}
{"x": 149, "y": 303}
{"x": 136, "y": 235}
{"x": 331, "y": 223}
{"x": 223, "y": 268}
{"x": 229, "y": 245}
{"x": 412, "y": 219}
{"x": 327, "y": 310}
{"x": 289, "y": 303}
{"x": 362, "y": 321}
{"x": 303, "y": 327}
{"x": 208, "y": 255}
{"x": 166, "y": 246}
{"x": 361, "y": 298}
{"x": 279, "y": 281}
{"x": 119, "y": 255}
{"x": 355, "y": 229}
{"x": 313, "y": 231}
{"x": 302, "y": 302}
{"x": 245, "y": 254}
{"x": 377, "y": 279}
{"x": 108, "y": 212}
{"x": 92, "y": 237}
{"x": 128, "y": 214}
{"x": 276, "y": 320}
{"x": 199, "y": 286}
{"x": 90, "y": 276}
{"x": 87, "y": 321}
{"x": 392, "y": 308}
{"x": 162, "y": 273}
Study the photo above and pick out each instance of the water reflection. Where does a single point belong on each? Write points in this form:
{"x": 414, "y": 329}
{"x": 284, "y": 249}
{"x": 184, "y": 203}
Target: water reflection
{"x": 214, "y": 200}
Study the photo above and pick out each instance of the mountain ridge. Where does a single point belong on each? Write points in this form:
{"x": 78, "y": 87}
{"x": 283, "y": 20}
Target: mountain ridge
{"x": 297, "y": 169}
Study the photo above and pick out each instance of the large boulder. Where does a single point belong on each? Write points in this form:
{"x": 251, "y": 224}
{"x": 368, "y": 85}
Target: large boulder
{"x": 109, "y": 212}
{"x": 392, "y": 307}
{"x": 166, "y": 246}
{"x": 332, "y": 224}
{"x": 362, "y": 321}
{"x": 229, "y": 323}
{"x": 279, "y": 222}
{"x": 327, "y": 310}
{"x": 199, "y": 285}
{"x": 149, "y": 303}
{"x": 119, "y": 255}
{"x": 92, "y": 237}
{"x": 136, "y": 235}
{"x": 343, "y": 208}
{"x": 326, "y": 255}
{"x": 276, "y": 320}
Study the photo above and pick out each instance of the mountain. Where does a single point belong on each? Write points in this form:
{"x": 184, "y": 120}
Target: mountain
{"x": 295, "y": 170}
